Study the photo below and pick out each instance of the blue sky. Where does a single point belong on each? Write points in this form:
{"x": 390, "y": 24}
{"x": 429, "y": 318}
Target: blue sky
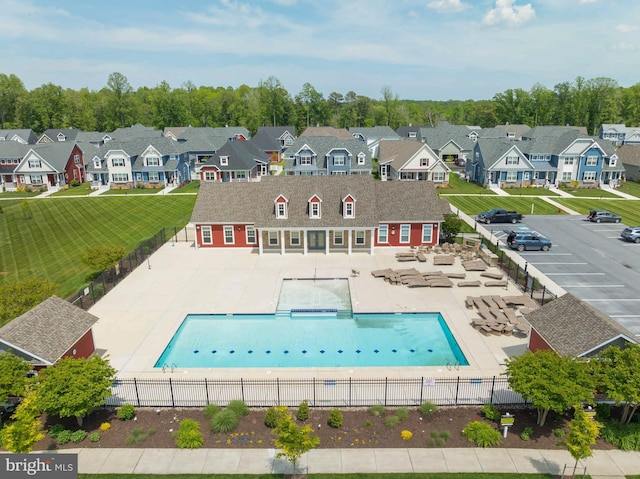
{"x": 422, "y": 49}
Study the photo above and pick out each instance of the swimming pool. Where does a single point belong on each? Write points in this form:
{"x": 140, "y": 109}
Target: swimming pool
{"x": 312, "y": 339}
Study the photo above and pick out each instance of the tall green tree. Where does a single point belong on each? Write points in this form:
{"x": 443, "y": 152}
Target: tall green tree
{"x": 293, "y": 441}
{"x": 551, "y": 382}
{"x": 120, "y": 92}
{"x": 390, "y": 102}
{"x": 25, "y": 431}
{"x": 18, "y": 297}
{"x": 101, "y": 258}
{"x": 75, "y": 386}
{"x": 13, "y": 376}
{"x": 50, "y": 107}
{"x": 11, "y": 90}
{"x": 617, "y": 377}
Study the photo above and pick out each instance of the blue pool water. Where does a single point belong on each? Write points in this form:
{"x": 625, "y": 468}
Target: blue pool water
{"x": 319, "y": 339}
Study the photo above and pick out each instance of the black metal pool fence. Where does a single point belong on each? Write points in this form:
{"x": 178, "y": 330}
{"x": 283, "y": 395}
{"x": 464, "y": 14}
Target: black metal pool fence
{"x": 344, "y": 392}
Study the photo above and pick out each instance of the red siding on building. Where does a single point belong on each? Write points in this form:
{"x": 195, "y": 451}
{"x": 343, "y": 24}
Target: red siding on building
{"x": 217, "y": 236}
{"x": 205, "y": 168}
{"x": 84, "y": 347}
{"x": 415, "y": 235}
{"x": 536, "y": 343}
{"x": 71, "y": 166}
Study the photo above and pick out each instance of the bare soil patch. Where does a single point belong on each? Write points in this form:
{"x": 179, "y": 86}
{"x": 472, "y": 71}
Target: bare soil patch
{"x": 154, "y": 428}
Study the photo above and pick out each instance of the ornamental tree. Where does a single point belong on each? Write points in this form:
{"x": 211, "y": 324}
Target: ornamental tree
{"x": 450, "y": 227}
{"x": 617, "y": 377}
{"x": 293, "y": 441}
{"x": 18, "y": 297}
{"x": 13, "y": 375}
{"x": 583, "y": 432}
{"x": 551, "y": 382}
{"x": 75, "y": 386}
{"x": 102, "y": 258}
{"x": 26, "y": 429}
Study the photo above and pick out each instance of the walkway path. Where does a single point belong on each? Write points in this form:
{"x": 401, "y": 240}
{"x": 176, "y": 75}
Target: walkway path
{"x": 620, "y": 193}
{"x": 603, "y": 464}
{"x": 558, "y": 205}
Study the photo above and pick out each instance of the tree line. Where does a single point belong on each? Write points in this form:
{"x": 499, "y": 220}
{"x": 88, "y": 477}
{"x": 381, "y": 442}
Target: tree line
{"x": 582, "y": 102}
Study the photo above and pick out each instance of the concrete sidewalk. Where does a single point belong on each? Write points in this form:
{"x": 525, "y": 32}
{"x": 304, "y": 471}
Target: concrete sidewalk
{"x": 603, "y": 464}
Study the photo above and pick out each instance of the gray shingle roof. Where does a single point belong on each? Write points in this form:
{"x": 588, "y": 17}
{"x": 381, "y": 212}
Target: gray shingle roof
{"x": 52, "y": 133}
{"x": 277, "y": 131}
{"x": 48, "y": 330}
{"x": 443, "y": 133}
{"x": 265, "y": 141}
{"x": 242, "y": 155}
{"x": 56, "y": 154}
{"x": 13, "y": 149}
{"x": 376, "y": 201}
{"x": 629, "y": 154}
{"x": 398, "y": 152}
{"x": 574, "y": 328}
{"x": 26, "y": 134}
{"x": 322, "y": 145}
{"x": 375, "y": 132}
{"x": 341, "y": 133}
{"x": 136, "y": 131}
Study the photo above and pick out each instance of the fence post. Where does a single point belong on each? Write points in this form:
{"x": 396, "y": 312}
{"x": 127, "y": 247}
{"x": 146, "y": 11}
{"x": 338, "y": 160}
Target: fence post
{"x": 544, "y": 290}
{"x": 277, "y": 387}
{"x": 135, "y": 386}
{"x": 349, "y": 391}
{"x": 242, "y": 388}
{"x": 493, "y": 384}
{"x": 206, "y": 390}
{"x": 314, "y": 391}
{"x": 385, "y": 391}
{"x": 421, "y": 388}
{"x": 173, "y": 402}
{"x": 457, "y": 388}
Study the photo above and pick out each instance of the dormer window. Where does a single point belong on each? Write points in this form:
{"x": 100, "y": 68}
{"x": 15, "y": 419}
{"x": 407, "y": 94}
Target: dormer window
{"x": 61, "y": 137}
{"x": 281, "y": 207}
{"x": 361, "y": 158}
{"x": 338, "y": 160}
{"x": 349, "y": 207}
{"x": 153, "y": 161}
{"x": 96, "y": 163}
{"x": 424, "y": 161}
{"x": 224, "y": 160}
{"x": 612, "y": 161}
{"x": 413, "y": 134}
{"x": 314, "y": 207}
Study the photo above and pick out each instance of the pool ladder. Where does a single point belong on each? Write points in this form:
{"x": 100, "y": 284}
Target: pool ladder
{"x": 455, "y": 365}
{"x": 165, "y": 366}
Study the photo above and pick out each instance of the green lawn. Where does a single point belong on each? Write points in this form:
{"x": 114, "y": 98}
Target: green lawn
{"x": 191, "y": 187}
{"x": 458, "y": 186}
{"x": 529, "y": 192}
{"x": 16, "y": 194}
{"x": 628, "y": 209}
{"x": 83, "y": 190}
{"x": 49, "y": 245}
{"x": 132, "y": 191}
{"x": 472, "y": 205}
{"x": 630, "y": 187}
{"x": 591, "y": 193}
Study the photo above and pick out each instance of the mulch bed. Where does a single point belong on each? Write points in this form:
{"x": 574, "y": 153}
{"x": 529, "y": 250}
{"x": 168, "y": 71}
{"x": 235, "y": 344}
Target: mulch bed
{"x": 360, "y": 428}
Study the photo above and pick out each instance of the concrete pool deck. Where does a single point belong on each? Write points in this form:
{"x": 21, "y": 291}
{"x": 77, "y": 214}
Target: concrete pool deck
{"x": 139, "y": 316}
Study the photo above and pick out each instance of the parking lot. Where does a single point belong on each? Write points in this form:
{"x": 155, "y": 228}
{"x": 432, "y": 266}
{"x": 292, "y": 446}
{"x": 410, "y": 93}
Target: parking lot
{"x": 589, "y": 260}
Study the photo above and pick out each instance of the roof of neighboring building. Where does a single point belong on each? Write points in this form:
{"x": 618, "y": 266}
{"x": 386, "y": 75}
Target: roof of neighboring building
{"x": 55, "y": 154}
{"x": 400, "y": 150}
{"x": 48, "y": 330}
{"x": 572, "y": 327}
{"x": 136, "y": 146}
{"x": 241, "y": 155}
{"x": 553, "y": 130}
{"x": 134, "y": 132}
{"x": 376, "y": 201}
{"x": 439, "y": 136}
{"x": 91, "y": 136}
{"x": 173, "y": 131}
{"x": 277, "y": 131}
{"x": 517, "y": 129}
{"x": 231, "y": 132}
{"x": 492, "y": 149}
{"x": 266, "y": 142}
{"x": 25, "y": 134}
{"x": 340, "y": 133}
{"x": 374, "y": 132}
{"x": 629, "y": 154}
{"x": 53, "y": 133}
{"x": 322, "y": 145}
{"x": 403, "y": 131}
{"x": 202, "y": 144}
{"x": 13, "y": 149}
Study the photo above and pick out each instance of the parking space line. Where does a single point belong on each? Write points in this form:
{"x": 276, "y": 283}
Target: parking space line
{"x": 607, "y": 230}
{"x": 609, "y": 300}
{"x": 594, "y": 286}
{"x": 573, "y": 274}
{"x": 536, "y": 264}
{"x": 625, "y": 315}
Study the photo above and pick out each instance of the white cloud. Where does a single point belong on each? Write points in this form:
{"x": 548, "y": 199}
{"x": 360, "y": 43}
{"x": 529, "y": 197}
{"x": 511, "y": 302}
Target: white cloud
{"x": 447, "y": 6}
{"x": 626, "y": 28}
{"x": 505, "y": 13}
{"x": 584, "y": 2}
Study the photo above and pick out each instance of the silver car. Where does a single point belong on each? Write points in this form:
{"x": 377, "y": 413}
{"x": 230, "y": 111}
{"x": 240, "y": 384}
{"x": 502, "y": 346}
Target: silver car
{"x": 631, "y": 233}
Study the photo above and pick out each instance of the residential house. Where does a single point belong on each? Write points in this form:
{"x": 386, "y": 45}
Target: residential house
{"x": 411, "y": 131}
{"x": 340, "y": 133}
{"x": 284, "y": 214}
{"x": 327, "y": 155}
{"x": 50, "y": 331}
{"x": 26, "y": 136}
{"x": 93, "y": 138}
{"x": 499, "y": 162}
{"x": 11, "y": 154}
{"x": 285, "y": 135}
{"x": 173, "y": 132}
{"x": 135, "y": 132}
{"x": 571, "y": 327}
{"x": 51, "y": 165}
{"x": 515, "y": 131}
{"x": 236, "y": 161}
{"x": 629, "y": 157}
{"x": 620, "y": 134}
{"x": 53, "y": 135}
{"x": 372, "y": 136}
{"x": 450, "y": 142}
{"x": 233, "y": 133}
{"x": 411, "y": 160}
{"x": 198, "y": 150}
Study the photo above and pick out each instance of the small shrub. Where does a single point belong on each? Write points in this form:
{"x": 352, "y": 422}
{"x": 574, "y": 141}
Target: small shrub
{"x": 483, "y": 434}
{"x": 376, "y": 410}
{"x": 138, "y": 435}
{"x": 105, "y": 426}
{"x": 55, "y": 430}
{"x": 427, "y": 408}
{"x": 446, "y": 435}
{"x": 368, "y": 424}
{"x": 335, "y": 418}
{"x": 435, "y": 434}
{"x": 211, "y": 410}
{"x": 189, "y": 435}
{"x": 126, "y": 412}
{"x": 558, "y": 432}
{"x": 526, "y": 433}
{"x": 603, "y": 411}
{"x": 490, "y": 412}
{"x": 440, "y": 442}
{"x": 239, "y": 408}
{"x": 78, "y": 436}
{"x": 303, "y": 411}
{"x": 431, "y": 442}
{"x": 94, "y": 437}
{"x": 224, "y": 421}
{"x": 271, "y": 417}
{"x": 402, "y": 413}
{"x": 623, "y": 436}
{"x": 391, "y": 421}
{"x": 406, "y": 435}
{"x": 64, "y": 436}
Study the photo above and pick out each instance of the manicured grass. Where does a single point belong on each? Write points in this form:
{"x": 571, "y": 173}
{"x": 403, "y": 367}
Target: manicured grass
{"x": 132, "y": 191}
{"x": 530, "y": 192}
{"x": 22, "y": 194}
{"x": 191, "y": 187}
{"x": 630, "y": 187}
{"x": 83, "y": 190}
{"x": 628, "y": 209}
{"x": 472, "y": 205}
{"x": 591, "y": 193}
{"x": 458, "y": 186}
{"x": 49, "y": 244}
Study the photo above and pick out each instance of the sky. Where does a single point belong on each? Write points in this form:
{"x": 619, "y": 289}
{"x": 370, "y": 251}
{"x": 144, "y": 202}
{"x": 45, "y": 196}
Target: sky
{"x": 421, "y": 49}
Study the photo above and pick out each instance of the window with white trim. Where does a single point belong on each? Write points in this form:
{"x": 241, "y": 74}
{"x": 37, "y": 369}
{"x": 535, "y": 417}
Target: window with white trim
{"x": 76, "y": 159}
{"x": 206, "y": 235}
{"x": 241, "y": 175}
{"x": 153, "y": 161}
{"x": 154, "y": 176}
{"x": 224, "y": 160}
{"x": 96, "y": 164}
{"x": 591, "y": 161}
{"x": 338, "y": 160}
{"x": 251, "y": 234}
{"x": 360, "y": 237}
{"x": 405, "y": 233}
{"x": 612, "y": 161}
{"x": 138, "y": 176}
{"x": 405, "y": 175}
{"x": 305, "y": 159}
{"x": 512, "y": 176}
{"x": 119, "y": 177}
{"x": 427, "y": 233}
{"x": 383, "y": 234}
{"x": 349, "y": 210}
{"x": 589, "y": 176}
{"x": 525, "y": 175}
{"x": 438, "y": 176}
{"x": 273, "y": 238}
{"x": 281, "y": 210}
{"x": 566, "y": 176}
{"x": 314, "y": 210}
{"x": 569, "y": 160}
{"x": 361, "y": 158}
{"x": 338, "y": 237}
{"x": 512, "y": 160}
{"x": 209, "y": 176}
{"x": 228, "y": 235}
{"x": 294, "y": 238}
{"x": 35, "y": 164}
{"x": 424, "y": 161}
{"x": 36, "y": 179}
{"x": 117, "y": 162}
{"x": 338, "y": 173}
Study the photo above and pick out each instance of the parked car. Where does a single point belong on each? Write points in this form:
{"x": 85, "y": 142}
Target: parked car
{"x": 459, "y": 162}
{"x": 499, "y": 215}
{"x": 631, "y": 233}
{"x": 603, "y": 216}
{"x": 528, "y": 241}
